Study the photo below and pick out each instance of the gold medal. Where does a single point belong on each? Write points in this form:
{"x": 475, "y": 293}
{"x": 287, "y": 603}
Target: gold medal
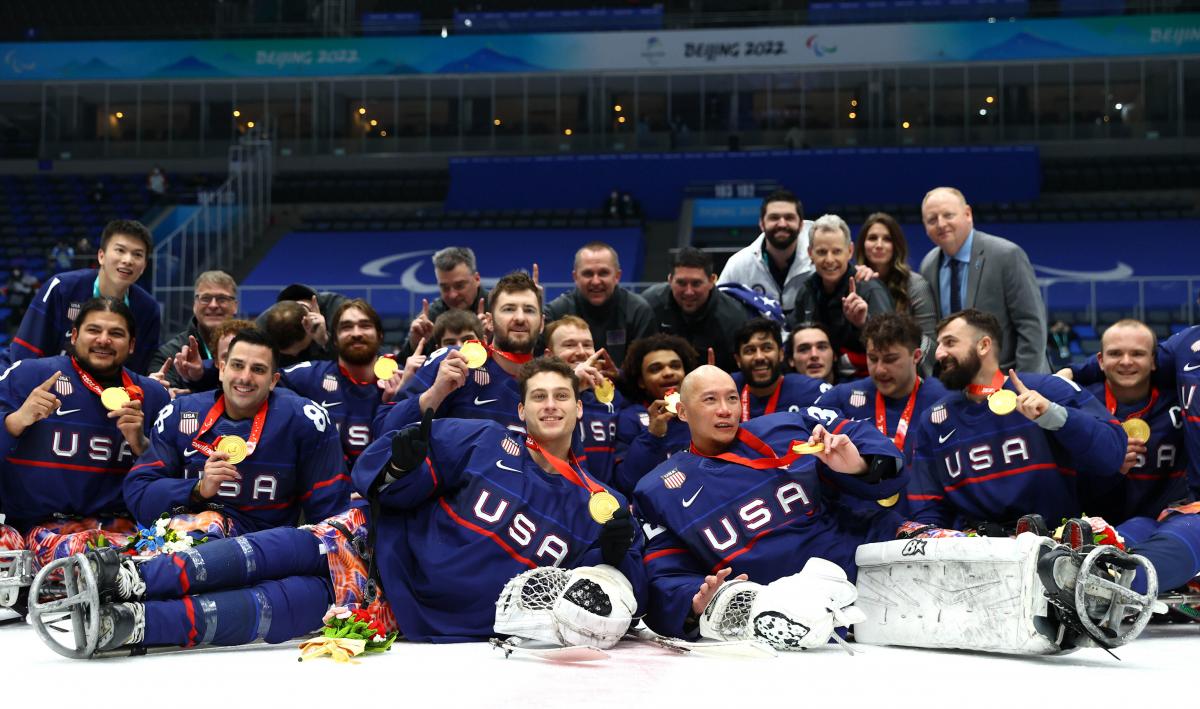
{"x": 889, "y": 501}
{"x": 476, "y": 355}
{"x": 602, "y": 505}
{"x": 1137, "y": 428}
{"x": 672, "y": 399}
{"x": 604, "y": 391}
{"x": 114, "y": 398}
{"x": 808, "y": 448}
{"x": 1002, "y": 402}
{"x": 385, "y": 368}
{"x": 234, "y": 446}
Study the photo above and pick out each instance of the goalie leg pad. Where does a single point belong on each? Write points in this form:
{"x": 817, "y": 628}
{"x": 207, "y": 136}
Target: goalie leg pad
{"x": 969, "y": 593}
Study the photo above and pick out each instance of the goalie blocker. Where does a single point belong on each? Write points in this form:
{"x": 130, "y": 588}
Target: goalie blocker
{"x": 1024, "y": 596}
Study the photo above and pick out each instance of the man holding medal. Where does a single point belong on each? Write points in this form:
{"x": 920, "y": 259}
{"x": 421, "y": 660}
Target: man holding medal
{"x": 975, "y": 462}
{"x": 468, "y": 512}
{"x": 765, "y": 387}
{"x": 125, "y": 248}
{"x": 749, "y": 501}
{"x": 569, "y": 339}
{"x": 351, "y": 388}
{"x": 73, "y": 426}
{"x": 241, "y": 458}
{"x": 476, "y": 380}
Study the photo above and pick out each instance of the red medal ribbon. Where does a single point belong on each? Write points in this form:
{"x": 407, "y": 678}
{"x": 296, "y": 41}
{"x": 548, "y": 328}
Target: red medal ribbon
{"x": 772, "y": 403}
{"x": 134, "y": 391}
{"x": 210, "y": 419}
{"x": 1110, "y": 401}
{"x": 769, "y": 461}
{"x": 576, "y": 477}
{"x": 905, "y": 416}
{"x": 346, "y": 373}
{"x": 510, "y": 356}
{"x": 984, "y": 390}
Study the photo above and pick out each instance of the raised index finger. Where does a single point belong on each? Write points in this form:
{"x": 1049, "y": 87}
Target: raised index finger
{"x": 1020, "y": 385}
{"x": 852, "y": 287}
{"x": 421, "y": 346}
{"x": 49, "y": 383}
{"x": 535, "y": 274}
{"x": 425, "y": 308}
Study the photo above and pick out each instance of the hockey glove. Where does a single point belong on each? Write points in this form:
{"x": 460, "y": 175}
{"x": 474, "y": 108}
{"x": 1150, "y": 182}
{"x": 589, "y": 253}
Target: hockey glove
{"x": 410, "y": 446}
{"x": 616, "y": 536}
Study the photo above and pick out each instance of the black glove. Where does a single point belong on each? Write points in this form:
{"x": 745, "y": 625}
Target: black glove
{"x": 410, "y": 446}
{"x": 616, "y": 536}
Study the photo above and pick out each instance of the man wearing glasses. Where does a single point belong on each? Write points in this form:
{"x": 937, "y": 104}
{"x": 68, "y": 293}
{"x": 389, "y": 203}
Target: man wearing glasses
{"x": 214, "y": 303}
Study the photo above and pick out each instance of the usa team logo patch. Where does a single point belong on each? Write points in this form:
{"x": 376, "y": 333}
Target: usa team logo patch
{"x": 189, "y": 423}
{"x": 858, "y": 398}
{"x": 63, "y": 386}
{"x": 481, "y": 377}
{"x": 1196, "y": 346}
{"x": 329, "y": 383}
{"x": 938, "y": 415}
{"x": 511, "y": 447}
{"x": 674, "y": 479}
{"x": 644, "y": 417}
{"x": 73, "y": 311}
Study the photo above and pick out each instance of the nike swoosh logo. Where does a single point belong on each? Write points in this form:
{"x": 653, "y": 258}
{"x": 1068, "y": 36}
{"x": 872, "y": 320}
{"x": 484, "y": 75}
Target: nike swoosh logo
{"x": 325, "y": 405}
{"x": 64, "y": 412}
{"x": 942, "y": 439}
{"x": 688, "y": 502}
{"x": 190, "y": 452}
{"x": 1190, "y": 367}
{"x": 502, "y": 466}
{"x": 481, "y": 402}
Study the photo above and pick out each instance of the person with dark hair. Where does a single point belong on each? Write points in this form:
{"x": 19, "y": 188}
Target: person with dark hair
{"x": 73, "y": 425}
{"x": 458, "y": 279}
{"x": 882, "y": 246}
{"x": 648, "y": 430}
{"x": 240, "y": 458}
{"x": 764, "y": 387}
{"x": 348, "y": 389}
{"x": 809, "y": 352}
{"x": 997, "y": 448}
{"x": 483, "y": 385}
{"x": 971, "y": 269}
{"x": 615, "y": 316}
{"x": 691, "y": 306}
{"x": 290, "y": 329}
{"x": 469, "y": 514}
{"x": 215, "y": 300}
{"x": 776, "y": 263}
{"x": 316, "y": 323}
{"x": 894, "y": 395}
{"x": 454, "y": 327}
{"x": 125, "y": 248}
{"x": 833, "y": 297}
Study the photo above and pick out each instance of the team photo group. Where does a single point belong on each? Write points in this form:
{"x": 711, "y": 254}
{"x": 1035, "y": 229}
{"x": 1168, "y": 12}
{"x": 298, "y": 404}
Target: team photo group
{"x": 815, "y": 446}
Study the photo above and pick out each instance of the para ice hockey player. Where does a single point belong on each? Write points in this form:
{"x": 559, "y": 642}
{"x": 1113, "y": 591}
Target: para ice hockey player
{"x": 467, "y": 512}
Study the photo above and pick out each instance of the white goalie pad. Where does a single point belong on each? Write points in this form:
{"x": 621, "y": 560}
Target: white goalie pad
{"x": 16, "y": 572}
{"x": 970, "y": 593}
{"x": 588, "y": 606}
{"x": 796, "y": 612}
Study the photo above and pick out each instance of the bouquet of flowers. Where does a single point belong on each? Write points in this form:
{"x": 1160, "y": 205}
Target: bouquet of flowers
{"x": 160, "y": 538}
{"x": 347, "y": 633}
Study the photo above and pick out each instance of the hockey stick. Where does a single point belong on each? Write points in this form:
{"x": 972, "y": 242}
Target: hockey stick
{"x": 704, "y": 648}
{"x": 582, "y": 653}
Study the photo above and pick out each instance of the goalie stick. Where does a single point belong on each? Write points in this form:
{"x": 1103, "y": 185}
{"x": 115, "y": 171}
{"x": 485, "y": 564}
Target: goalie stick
{"x": 705, "y": 648}
{"x": 582, "y": 653}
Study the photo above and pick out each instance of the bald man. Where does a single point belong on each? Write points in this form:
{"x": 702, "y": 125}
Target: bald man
{"x": 740, "y": 502}
{"x": 971, "y": 269}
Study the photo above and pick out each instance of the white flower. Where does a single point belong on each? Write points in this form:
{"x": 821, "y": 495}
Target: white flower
{"x": 161, "y": 526}
{"x": 179, "y": 545}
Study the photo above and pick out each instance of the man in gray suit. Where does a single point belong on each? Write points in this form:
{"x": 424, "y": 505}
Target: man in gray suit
{"x": 971, "y": 269}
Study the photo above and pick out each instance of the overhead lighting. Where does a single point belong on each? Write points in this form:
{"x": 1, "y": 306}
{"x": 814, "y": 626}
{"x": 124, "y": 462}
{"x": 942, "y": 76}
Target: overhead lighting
{"x": 617, "y": 108}
{"x": 120, "y": 114}
{"x": 853, "y": 102}
{"x": 374, "y": 122}
{"x": 237, "y": 113}
{"x": 362, "y": 111}
{"x": 383, "y": 134}
{"x": 983, "y": 111}
{"x": 445, "y": 33}
{"x": 496, "y": 122}
{"x": 567, "y": 131}
{"x": 249, "y": 124}
{"x": 853, "y": 115}
{"x": 1118, "y": 106}
{"x": 990, "y": 99}
{"x": 621, "y": 119}
{"x": 905, "y": 124}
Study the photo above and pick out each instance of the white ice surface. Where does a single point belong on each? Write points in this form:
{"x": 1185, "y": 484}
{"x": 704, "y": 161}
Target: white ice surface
{"x": 1152, "y": 671}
